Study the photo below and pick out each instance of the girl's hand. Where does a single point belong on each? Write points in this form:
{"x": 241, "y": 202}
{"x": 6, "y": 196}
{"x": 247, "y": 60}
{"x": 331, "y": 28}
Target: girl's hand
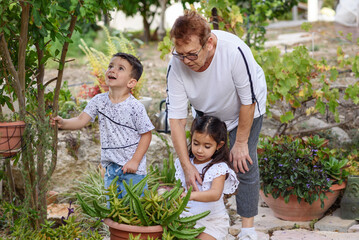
{"x": 185, "y": 193}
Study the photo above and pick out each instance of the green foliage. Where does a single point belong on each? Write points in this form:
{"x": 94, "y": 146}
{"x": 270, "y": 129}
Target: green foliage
{"x": 74, "y": 51}
{"x": 89, "y": 187}
{"x": 168, "y": 170}
{"x": 147, "y": 207}
{"x": 300, "y": 86}
{"x": 303, "y": 167}
{"x": 258, "y": 13}
{"x": 138, "y": 237}
{"x": 353, "y": 158}
{"x": 334, "y": 167}
{"x": 67, "y": 104}
{"x": 165, "y": 175}
{"x": 165, "y": 46}
{"x": 306, "y": 26}
{"x": 229, "y": 15}
{"x": 70, "y": 228}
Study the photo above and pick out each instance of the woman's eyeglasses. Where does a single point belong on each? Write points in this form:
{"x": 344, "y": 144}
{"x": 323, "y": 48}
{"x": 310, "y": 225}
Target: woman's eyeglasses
{"x": 190, "y": 56}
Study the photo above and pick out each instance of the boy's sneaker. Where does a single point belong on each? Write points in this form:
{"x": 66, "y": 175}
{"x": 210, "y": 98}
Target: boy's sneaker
{"x": 249, "y": 236}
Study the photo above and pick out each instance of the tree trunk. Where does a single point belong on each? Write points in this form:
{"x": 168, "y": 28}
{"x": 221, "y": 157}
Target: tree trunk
{"x": 22, "y": 55}
{"x": 147, "y": 33}
{"x": 41, "y": 159}
{"x": 162, "y": 30}
{"x": 106, "y": 20}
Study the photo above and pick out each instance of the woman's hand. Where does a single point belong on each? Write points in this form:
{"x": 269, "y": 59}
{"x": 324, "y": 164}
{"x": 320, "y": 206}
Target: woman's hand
{"x": 239, "y": 155}
{"x": 192, "y": 177}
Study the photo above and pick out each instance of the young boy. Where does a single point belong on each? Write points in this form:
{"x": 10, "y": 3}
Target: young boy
{"x": 125, "y": 128}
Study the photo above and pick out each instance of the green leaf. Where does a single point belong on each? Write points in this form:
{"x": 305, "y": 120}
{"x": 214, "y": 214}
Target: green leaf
{"x": 176, "y": 214}
{"x": 194, "y": 218}
{"x": 11, "y": 5}
{"x": 37, "y": 18}
{"x": 137, "y": 204}
{"x": 320, "y": 106}
{"x": 352, "y": 92}
{"x": 286, "y": 117}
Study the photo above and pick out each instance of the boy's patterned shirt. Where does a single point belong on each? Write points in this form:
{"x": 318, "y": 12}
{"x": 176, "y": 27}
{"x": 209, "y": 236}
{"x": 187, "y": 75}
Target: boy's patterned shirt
{"x": 121, "y": 126}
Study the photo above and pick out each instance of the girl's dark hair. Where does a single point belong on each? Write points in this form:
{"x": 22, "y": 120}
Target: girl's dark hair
{"x": 217, "y": 129}
{"x": 137, "y": 67}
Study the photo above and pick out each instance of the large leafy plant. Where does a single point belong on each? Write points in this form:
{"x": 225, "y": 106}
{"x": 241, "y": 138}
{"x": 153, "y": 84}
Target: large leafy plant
{"x": 303, "y": 167}
{"x": 147, "y": 210}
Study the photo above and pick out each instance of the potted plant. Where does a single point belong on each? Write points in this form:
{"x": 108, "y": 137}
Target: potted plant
{"x": 145, "y": 212}
{"x": 300, "y": 177}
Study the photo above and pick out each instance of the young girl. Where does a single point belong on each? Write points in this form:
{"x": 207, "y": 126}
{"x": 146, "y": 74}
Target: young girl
{"x": 209, "y": 153}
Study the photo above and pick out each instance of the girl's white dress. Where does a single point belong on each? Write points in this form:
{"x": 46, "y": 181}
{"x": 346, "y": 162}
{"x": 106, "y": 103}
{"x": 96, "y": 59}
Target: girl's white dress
{"x": 217, "y": 222}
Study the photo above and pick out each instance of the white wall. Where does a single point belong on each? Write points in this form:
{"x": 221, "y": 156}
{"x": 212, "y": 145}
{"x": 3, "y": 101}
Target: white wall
{"x": 120, "y": 22}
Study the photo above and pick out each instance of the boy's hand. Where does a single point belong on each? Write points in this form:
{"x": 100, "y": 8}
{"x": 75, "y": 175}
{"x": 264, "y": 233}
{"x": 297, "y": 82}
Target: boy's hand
{"x": 130, "y": 167}
{"x": 59, "y": 120}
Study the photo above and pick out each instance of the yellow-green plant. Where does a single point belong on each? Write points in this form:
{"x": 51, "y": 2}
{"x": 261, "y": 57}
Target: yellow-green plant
{"x": 99, "y": 60}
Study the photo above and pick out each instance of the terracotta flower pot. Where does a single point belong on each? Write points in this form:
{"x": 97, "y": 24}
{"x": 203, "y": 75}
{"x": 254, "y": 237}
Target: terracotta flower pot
{"x": 10, "y": 137}
{"x": 122, "y": 231}
{"x": 303, "y": 211}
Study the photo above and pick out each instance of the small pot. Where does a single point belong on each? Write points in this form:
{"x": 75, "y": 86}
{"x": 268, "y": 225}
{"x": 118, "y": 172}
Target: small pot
{"x": 122, "y": 231}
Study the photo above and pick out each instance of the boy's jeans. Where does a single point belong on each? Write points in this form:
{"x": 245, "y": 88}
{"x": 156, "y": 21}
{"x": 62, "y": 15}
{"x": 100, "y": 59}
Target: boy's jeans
{"x": 114, "y": 170}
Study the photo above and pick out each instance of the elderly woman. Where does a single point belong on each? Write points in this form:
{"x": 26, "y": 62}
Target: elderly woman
{"x": 216, "y": 72}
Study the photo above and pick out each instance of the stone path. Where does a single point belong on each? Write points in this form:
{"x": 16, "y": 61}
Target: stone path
{"x": 268, "y": 227}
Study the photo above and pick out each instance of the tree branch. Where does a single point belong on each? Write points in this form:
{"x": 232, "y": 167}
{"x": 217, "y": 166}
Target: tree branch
{"x": 25, "y": 15}
{"x": 50, "y": 81}
{"x": 6, "y": 55}
{"x": 56, "y": 96}
{"x": 304, "y": 131}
